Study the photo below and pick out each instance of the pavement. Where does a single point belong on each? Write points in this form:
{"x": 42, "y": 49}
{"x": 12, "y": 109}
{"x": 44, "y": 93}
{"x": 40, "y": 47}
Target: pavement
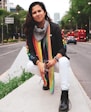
{"x": 29, "y": 97}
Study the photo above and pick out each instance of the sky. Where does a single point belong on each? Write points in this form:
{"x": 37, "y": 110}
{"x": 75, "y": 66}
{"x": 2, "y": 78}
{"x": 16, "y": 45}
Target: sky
{"x": 52, "y": 6}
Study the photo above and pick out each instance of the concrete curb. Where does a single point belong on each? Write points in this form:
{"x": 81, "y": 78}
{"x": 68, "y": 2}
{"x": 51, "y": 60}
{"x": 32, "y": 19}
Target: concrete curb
{"x": 17, "y": 67}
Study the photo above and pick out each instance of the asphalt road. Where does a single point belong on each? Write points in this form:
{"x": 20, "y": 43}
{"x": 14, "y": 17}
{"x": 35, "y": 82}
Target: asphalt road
{"x": 80, "y": 58}
{"x": 8, "y": 54}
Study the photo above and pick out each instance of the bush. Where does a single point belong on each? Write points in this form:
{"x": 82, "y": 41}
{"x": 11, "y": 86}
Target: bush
{"x": 6, "y": 88}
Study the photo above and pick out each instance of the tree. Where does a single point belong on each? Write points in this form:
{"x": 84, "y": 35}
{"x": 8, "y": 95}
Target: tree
{"x": 79, "y": 13}
{"x": 10, "y": 29}
{"x": 18, "y": 8}
{"x": 3, "y": 13}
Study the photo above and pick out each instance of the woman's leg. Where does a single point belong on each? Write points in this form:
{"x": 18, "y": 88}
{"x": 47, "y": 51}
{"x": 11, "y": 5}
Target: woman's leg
{"x": 62, "y": 67}
{"x": 32, "y": 68}
{"x": 64, "y": 70}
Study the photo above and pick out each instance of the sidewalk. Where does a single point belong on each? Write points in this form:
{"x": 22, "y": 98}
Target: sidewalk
{"x": 30, "y": 97}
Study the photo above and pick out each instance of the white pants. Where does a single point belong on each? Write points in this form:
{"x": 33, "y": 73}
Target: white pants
{"x": 62, "y": 67}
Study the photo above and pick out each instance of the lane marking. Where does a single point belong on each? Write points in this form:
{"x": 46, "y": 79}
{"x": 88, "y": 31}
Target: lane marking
{"x": 9, "y": 52}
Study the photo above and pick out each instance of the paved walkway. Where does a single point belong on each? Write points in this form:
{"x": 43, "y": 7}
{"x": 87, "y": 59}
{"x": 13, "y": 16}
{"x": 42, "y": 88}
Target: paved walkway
{"x": 30, "y": 97}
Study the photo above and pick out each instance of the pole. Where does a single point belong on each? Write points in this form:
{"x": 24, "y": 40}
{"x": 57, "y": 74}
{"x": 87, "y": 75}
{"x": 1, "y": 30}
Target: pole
{"x": 7, "y": 32}
{"x": 89, "y": 25}
{"x": 2, "y": 30}
{"x": 89, "y": 3}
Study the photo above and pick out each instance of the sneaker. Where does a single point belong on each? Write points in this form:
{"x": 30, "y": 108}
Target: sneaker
{"x": 46, "y": 87}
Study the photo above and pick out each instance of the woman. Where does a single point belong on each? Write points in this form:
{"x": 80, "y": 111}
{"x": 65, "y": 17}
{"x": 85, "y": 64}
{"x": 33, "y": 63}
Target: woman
{"x": 46, "y": 49}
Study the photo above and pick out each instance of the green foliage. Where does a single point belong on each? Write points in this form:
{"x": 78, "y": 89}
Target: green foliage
{"x": 3, "y": 12}
{"x": 11, "y": 29}
{"x": 19, "y": 8}
{"x": 78, "y": 14}
{"x": 6, "y": 88}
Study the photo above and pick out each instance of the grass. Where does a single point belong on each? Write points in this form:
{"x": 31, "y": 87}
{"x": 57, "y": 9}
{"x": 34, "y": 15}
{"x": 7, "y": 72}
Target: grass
{"x": 6, "y": 88}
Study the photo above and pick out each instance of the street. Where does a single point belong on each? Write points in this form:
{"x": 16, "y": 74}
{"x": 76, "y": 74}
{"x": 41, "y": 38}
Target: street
{"x": 80, "y": 59}
{"x": 8, "y": 53}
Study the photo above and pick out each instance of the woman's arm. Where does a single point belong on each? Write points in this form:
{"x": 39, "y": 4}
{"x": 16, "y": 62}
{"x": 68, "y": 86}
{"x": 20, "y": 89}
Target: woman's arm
{"x": 32, "y": 54}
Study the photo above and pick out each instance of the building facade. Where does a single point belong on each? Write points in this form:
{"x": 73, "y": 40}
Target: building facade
{"x": 56, "y": 17}
{"x": 3, "y": 4}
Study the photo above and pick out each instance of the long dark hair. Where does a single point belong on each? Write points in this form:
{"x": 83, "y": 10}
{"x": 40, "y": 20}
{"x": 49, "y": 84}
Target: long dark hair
{"x": 29, "y": 23}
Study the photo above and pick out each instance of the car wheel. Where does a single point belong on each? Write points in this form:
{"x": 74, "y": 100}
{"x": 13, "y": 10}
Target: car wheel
{"x": 75, "y": 43}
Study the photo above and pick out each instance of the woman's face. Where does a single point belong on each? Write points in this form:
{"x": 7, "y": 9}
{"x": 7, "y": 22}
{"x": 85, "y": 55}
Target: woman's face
{"x": 38, "y": 13}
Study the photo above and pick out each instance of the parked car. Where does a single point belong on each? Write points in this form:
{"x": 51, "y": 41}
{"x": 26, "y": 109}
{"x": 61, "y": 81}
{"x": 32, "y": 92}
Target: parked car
{"x": 71, "y": 39}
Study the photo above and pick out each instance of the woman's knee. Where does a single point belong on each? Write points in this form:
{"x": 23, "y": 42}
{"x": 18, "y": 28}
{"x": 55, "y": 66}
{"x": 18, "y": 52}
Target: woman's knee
{"x": 63, "y": 61}
{"x": 32, "y": 68}
{"x": 29, "y": 67}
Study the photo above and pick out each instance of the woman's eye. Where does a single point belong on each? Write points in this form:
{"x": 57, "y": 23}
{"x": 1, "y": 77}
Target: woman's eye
{"x": 36, "y": 12}
{"x": 33, "y": 12}
{"x": 39, "y": 10}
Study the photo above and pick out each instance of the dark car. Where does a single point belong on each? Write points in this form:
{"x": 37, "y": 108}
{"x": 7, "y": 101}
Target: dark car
{"x": 71, "y": 39}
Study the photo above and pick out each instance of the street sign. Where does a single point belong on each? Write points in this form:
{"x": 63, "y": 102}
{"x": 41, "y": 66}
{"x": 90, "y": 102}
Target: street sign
{"x": 9, "y": 20}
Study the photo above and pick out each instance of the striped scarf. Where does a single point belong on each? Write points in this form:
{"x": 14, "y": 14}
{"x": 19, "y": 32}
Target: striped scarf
{"x": 38, "y": 50}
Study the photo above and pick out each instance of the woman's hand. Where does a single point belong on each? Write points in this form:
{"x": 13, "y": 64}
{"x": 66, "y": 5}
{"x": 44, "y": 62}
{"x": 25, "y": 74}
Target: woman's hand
{"x": 50, "y": 63}
{"x": 41, "y": 67}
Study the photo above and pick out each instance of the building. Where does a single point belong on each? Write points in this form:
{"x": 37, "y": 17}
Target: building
{"x": 56, "y": 17}
{"x": 3, "y": 4}
{"x": 12, "y": 7}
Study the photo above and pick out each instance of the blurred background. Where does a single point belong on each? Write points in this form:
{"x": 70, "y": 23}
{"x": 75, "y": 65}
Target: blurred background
{"x": 76, "y": 19}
